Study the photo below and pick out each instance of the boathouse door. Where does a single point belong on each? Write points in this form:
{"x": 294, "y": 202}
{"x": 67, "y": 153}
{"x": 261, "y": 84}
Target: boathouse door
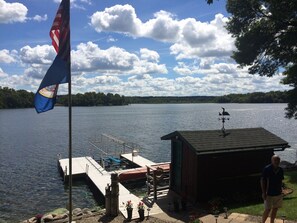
{"x": 176, "y": 165}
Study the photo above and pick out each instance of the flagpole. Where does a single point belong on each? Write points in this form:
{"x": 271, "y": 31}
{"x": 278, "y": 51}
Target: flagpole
{"x": 70, "y": 127}
{"x": 70, "y": 148}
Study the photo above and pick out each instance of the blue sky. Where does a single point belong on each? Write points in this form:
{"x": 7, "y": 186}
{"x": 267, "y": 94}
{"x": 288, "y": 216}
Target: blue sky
{"x": 139, "y": 47}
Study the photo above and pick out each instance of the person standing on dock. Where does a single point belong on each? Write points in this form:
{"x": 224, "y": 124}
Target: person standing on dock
{"x": 271, "y": 185}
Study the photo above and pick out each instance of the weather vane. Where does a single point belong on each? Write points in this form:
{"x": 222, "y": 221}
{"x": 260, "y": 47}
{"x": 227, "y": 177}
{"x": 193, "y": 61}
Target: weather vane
{"x": 223, "y": 118}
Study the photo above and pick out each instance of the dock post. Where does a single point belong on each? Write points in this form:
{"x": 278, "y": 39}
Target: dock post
{"x": 65, "y": 175}
{"x": 87, "y": 169}
{"x": 148, "y": 181}
{"x": 58, "y": 158}
{"x": 155, "y": 184}
{"x": 107, "y": 200}
{"x": 114, "y": 201}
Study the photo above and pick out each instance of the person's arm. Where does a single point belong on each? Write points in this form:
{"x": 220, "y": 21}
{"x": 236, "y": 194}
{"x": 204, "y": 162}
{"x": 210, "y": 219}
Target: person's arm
{"x": 282, "y": 178}
{"x": 264, "y": 184}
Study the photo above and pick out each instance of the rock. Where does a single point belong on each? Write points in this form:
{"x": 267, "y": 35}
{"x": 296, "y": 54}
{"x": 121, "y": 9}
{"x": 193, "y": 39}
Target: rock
{"x": 77, "y": 212}
{"x": 60, "y": 216}
{"x": 97, "y": 209}
{"x": 48, "y": 218}
{"x": 59, "y": 211}
{"x": 87, "y": 211}
{"x": 63, "y": 216}
{"x": 32, "y": 220}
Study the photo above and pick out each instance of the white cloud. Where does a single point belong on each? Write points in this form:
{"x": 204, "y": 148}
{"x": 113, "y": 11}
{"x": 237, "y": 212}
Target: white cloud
{"x": 118, "y": 18}
{"x": 43, "y": 54}
{"x": 229, "y": 68}
{"x": 36, "y": 61}
{"x": 145, "y": 84}
{"x": 204, "y": 40}
{"x": 149, "y": 55}
{"x": 88, "y": 57}
{"x": 111, "y": 39}
{"x": 91, "y": 66}
{"x": 2, "y": 73}
{"x": 185, "y": 69}
{"x": 83, "y": 81}
{"x": 17, "y": 81}
{"x": 96, "y": 69}
{"x": 140, "y": 77}
{"x": 39, "y": 18}
{"x": 106, "y": 83}
{"x": 12, "y": 12}
{"x": 189, "y": 37}
{"x": 162, "y": 27}
{"x": 208, "y": 66}
{"x": 16, "y": 12}
{"x": 87, "y": 1}
{"x": 7, "y": 56}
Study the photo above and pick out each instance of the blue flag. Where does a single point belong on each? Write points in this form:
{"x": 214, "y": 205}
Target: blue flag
{"x": 59, "y": 71}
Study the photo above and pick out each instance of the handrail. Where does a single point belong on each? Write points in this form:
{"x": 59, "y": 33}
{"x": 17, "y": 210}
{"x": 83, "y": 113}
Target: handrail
{"x": 94, "y": 165}
{"x": 98, "y": 148}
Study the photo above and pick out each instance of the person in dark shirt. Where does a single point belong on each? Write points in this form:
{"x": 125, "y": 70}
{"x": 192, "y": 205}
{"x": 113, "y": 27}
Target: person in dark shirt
{"x": 271, "y": 185}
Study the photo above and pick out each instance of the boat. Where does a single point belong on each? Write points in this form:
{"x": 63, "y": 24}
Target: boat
{"x": 140, "y": 172}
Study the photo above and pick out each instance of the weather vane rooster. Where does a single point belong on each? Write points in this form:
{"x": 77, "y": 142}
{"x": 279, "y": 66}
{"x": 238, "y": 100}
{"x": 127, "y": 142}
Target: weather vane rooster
{"x": 223, "y": 118}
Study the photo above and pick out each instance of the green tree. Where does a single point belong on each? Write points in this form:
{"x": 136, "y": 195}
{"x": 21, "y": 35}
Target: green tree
{"x": 265, "y": 34}
{"x": 10, "y": 98}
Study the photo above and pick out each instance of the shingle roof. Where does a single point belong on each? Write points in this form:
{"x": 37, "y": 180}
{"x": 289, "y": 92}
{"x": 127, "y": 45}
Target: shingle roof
{"x": 233, "y": 139}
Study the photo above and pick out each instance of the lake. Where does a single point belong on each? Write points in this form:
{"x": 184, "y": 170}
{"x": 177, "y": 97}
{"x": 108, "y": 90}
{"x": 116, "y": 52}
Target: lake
{"x": 29, "y": 143}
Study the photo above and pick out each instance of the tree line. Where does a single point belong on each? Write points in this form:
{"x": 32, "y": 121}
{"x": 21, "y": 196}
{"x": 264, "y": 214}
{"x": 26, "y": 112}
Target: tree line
{"x": 256, "y": 97}
{"x": 93, "y": 99}
{"x": 10, "y": 98}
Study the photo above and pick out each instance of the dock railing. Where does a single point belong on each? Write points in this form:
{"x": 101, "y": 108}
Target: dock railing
{"x": 154, "y": 177}
{"x": 119, "y": 146}
{"x": 100, "y": 171}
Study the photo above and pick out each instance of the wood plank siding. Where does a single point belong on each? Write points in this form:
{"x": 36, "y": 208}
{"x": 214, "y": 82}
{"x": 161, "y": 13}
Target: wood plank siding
{"x": 205, "y": 164}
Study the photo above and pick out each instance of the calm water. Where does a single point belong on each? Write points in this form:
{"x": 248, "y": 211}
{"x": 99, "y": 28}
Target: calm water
{"x": 29, "y": 144}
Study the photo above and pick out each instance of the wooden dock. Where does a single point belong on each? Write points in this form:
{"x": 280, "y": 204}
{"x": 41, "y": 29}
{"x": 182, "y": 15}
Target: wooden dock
{"x": 100, "y": 178}
{"x": 138, "y": 160}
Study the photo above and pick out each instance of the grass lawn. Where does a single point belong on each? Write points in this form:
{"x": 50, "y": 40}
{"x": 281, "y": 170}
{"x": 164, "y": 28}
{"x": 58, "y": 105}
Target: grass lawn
{"x": 289, "y": 208}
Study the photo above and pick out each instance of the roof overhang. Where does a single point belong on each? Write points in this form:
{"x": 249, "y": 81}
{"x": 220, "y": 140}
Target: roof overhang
{"x": 176, "y": 135}
{"x": 242, "y": 150}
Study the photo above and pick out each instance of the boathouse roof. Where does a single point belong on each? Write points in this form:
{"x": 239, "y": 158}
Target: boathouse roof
{"x": 232, "y": 140}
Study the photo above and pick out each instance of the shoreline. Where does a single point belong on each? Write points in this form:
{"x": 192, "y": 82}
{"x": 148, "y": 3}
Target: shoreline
{"x": 84, "y": 216}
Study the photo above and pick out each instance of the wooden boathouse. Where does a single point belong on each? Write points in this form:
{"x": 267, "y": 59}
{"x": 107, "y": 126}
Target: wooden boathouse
{"x": 205, "y": 164}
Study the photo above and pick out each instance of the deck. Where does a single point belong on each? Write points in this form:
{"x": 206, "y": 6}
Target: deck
{"x": 100, "y": 178}
{"x": 138, "y": 160}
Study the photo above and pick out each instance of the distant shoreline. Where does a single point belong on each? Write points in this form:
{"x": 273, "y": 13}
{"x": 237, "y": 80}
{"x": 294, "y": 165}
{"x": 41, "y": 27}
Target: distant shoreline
{"x": 10, "y": 98}
{"x": 178, "y": 103}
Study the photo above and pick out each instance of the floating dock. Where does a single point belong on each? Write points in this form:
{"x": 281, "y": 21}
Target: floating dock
{"x": 87, "y": 166}
{"x": 138, "y": 160}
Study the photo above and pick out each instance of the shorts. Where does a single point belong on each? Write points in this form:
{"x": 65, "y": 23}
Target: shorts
{"x": 273, "y": 202}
